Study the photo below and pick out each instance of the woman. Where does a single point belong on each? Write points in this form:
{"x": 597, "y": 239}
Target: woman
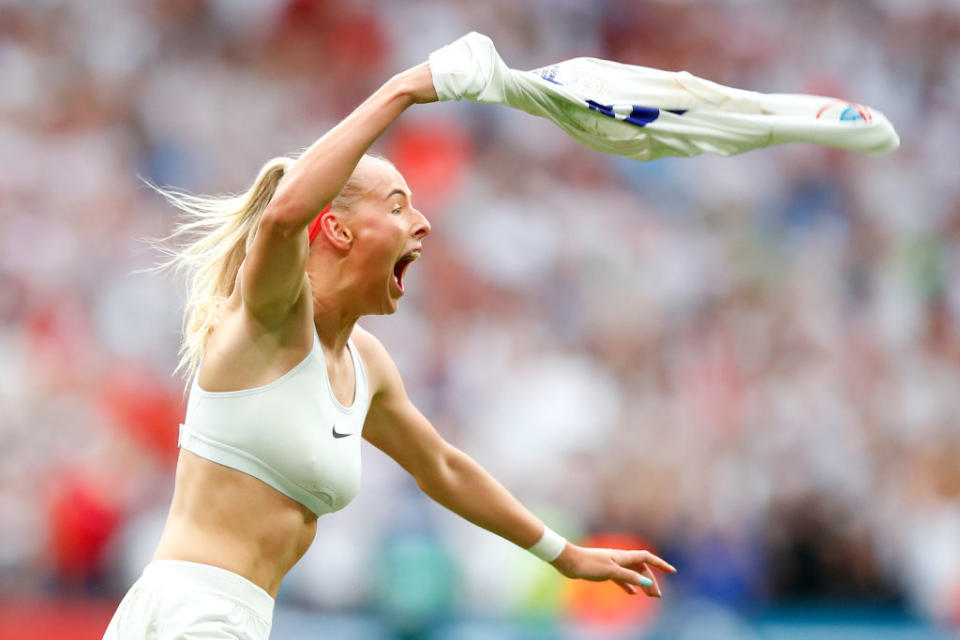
{"x": 285, "y": 383}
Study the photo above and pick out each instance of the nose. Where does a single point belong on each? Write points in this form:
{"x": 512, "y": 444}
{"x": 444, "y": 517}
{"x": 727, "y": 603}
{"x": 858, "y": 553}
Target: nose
{"x": 422, "y": 227}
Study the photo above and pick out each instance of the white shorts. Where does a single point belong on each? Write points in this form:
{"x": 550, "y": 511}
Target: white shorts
{"x": 188, "y": 600}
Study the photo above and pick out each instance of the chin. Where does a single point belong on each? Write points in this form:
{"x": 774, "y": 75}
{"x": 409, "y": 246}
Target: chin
{"x": 388, "y": 309}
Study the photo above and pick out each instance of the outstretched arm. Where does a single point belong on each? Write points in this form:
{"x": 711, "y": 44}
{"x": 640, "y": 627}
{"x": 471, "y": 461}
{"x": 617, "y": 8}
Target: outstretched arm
{"x": 453, "y": 479}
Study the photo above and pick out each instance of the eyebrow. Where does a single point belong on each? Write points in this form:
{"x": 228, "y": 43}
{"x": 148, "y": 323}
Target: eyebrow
{"x": 396, "y": 192}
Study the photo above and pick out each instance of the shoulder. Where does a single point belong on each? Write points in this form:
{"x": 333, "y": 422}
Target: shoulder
{"x": 370, "y": 348}
{"x": 381, "y": 371}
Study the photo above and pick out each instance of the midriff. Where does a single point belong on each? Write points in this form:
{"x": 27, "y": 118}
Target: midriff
{"x": 228, "y": 519}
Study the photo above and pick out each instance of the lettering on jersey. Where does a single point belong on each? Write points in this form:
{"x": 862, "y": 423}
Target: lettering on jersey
{"x": 639, "y": 116}
{"x": 549, "y": 74}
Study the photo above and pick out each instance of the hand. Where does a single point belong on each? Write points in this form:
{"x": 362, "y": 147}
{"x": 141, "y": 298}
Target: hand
{"x": 623, "y": 567}
{"x": 417, "y": 83}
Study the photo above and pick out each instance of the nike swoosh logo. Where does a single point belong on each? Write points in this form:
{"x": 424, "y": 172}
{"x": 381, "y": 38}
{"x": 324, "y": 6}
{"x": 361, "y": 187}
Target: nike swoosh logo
{"x": 339, "y": 435}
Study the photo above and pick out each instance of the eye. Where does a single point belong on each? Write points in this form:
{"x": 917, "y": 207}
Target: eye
{"x": 397, "y": 210}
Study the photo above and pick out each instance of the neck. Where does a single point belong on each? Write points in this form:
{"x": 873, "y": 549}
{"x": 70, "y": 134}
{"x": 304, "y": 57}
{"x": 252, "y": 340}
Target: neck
{"x": 333, "y": 326}
{"x": 334, "y": 314}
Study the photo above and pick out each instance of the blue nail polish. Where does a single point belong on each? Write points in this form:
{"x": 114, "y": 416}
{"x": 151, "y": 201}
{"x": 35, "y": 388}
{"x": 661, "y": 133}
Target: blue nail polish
{"x": 645, "y": 581}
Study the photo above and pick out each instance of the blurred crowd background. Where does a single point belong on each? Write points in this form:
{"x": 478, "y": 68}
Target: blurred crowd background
{"x": 750, "y": 365}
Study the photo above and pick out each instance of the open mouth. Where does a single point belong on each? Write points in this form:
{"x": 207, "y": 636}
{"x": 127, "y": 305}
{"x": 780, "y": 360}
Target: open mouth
{"x": 401, "y": 266}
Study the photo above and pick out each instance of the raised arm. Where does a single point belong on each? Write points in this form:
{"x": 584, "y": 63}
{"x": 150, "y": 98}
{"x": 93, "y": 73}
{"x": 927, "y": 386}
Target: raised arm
{"x": 453, "y": 479}
{"x": 274, "y": 270}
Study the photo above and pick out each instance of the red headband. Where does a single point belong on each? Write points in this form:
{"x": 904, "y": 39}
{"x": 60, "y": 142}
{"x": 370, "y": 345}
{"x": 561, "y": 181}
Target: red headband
{"x": 315, "y": 225}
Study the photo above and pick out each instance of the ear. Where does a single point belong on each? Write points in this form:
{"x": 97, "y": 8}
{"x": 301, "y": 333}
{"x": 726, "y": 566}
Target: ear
{"x": 335, "y": 232}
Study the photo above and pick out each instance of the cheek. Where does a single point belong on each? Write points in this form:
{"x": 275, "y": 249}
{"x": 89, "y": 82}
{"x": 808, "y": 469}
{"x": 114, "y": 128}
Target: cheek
{"x": 377, "y": 249}
{"x": 380, "y": 237}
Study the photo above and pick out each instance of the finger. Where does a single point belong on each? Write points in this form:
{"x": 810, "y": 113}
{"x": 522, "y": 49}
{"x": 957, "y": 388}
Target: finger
{"x": 653, "y": 590}
{"x": 645, "y": 557}
{"x": 629, "y": 588}
{"x": 632, "y": 577}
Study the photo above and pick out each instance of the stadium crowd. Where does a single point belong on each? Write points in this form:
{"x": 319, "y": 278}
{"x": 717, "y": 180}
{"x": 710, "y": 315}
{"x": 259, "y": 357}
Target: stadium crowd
{"x": 751, "y": 363}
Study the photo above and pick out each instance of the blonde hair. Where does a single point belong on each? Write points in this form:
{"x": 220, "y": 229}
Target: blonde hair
{"x": 211, "y": 240}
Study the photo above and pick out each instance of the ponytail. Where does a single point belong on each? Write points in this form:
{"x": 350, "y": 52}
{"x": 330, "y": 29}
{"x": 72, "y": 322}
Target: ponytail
{"x": 214, "y": 234}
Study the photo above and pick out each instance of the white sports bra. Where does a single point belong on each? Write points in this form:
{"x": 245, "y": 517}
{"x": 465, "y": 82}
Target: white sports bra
{"x": 292, "y": 433}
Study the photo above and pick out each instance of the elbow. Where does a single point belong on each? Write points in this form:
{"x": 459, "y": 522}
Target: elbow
{"x": 282, "y": 217}
{"x": 425, "y": 483}
{"x": 437, "y": 475}
{"x": 288, "y": 214}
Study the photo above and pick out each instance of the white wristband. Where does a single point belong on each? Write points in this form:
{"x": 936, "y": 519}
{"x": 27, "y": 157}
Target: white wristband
{"x": 549, "y": 546}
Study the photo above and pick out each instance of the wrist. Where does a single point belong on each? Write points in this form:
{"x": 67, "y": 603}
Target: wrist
{"x": 415, "y": 84}
{"x": 397, "y": 88}
{"x": 564, "y": 561}
{"x": 550, "y": 546}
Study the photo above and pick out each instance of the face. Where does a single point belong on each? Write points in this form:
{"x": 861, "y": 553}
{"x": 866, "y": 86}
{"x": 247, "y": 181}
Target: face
{"x": 388, "y": 234}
